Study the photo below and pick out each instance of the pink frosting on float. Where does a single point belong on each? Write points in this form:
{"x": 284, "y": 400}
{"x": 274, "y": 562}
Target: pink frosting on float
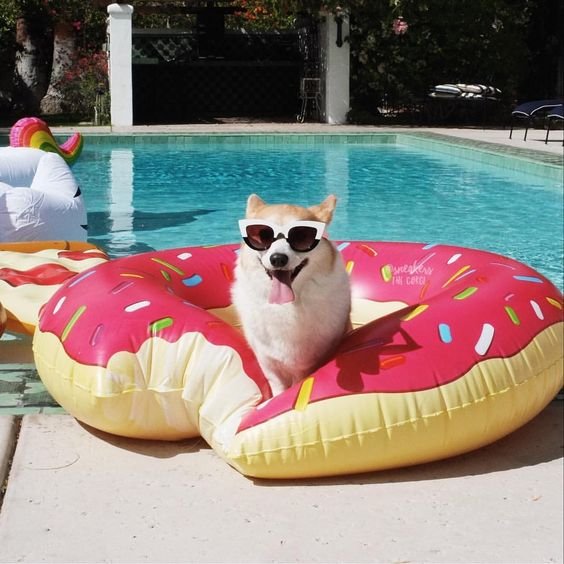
{"x": 463, "y": 306}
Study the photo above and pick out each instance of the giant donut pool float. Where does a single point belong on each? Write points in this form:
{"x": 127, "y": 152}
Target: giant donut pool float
{"x": 453, "y": 349}
{"x": 40, "y": 198}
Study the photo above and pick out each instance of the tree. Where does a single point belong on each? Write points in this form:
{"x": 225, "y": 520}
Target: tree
{"x": 44, "y": 35}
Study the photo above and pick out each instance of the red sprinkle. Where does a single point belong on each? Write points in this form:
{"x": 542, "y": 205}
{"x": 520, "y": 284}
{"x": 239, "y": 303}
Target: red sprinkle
{"x": 392, "y": 361}
{"x": 227, "y": 272}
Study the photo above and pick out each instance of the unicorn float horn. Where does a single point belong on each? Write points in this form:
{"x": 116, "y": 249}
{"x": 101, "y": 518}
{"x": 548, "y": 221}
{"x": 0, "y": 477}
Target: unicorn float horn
{"x": 34, "y": 132}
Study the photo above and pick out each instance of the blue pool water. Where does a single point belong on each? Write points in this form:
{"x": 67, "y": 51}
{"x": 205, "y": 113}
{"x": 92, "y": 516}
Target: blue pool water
{"x": 156, "y": 196}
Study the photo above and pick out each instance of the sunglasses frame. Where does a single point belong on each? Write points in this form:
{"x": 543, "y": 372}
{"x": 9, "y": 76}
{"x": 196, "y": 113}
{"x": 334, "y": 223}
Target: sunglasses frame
{"x": 283, "y": 230}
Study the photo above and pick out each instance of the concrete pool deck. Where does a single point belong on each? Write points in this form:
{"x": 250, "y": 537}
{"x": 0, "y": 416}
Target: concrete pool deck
{"x": 74, "y": 494}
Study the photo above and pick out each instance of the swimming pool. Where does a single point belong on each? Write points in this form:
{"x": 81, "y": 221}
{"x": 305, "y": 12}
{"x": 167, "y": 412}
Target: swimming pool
{"x": 159, "y": 194}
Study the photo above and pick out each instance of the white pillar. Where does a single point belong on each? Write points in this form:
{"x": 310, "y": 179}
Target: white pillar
{"x": 336, "y": 66}
{"x": 121, "y": 84}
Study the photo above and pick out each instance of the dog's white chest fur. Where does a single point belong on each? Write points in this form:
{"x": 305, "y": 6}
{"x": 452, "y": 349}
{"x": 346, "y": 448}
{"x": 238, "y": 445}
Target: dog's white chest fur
{"x": 291, "y": 340}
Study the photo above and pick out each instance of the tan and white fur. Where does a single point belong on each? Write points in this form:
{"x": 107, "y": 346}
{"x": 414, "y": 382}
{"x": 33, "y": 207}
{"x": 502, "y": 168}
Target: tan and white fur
{"x": 291, "y": 340}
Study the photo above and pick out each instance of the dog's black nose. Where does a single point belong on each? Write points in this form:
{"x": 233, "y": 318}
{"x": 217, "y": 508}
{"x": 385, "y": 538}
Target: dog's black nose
{"x": 279, "y": 260}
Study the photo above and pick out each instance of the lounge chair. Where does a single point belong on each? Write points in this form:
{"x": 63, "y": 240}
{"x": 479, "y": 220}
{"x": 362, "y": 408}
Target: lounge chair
{"x": 557, "y": 113}
{"x": 530, "y": 110}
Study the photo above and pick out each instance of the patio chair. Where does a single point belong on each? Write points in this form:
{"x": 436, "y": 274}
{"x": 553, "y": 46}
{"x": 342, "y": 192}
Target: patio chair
{"x": 557, "y": 113}
{"x": 531, "y": 110}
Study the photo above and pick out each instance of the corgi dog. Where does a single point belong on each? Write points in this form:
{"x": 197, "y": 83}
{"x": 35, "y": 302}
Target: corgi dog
{"x": 291, "y": 289}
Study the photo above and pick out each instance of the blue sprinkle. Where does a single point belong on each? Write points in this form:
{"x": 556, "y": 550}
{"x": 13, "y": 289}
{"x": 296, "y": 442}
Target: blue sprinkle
{"x": 444, "y": 333}
{"x": 430, "y": 246}
{"x": 343, "y": 246}
{"x": 529, "y": 279}
{"x": 193, "y": 280}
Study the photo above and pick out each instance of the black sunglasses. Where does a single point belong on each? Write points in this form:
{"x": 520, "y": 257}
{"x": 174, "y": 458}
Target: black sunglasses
{"x": 302, "y": 235}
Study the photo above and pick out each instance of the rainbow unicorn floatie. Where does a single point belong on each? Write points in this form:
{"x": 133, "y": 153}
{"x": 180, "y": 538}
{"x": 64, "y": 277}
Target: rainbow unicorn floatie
{"x": 34, "y": 132}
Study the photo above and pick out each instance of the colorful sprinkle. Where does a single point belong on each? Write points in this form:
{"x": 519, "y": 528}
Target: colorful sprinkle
{"x": 534, "y": 279}
{"x": 512, "y": 315}
{"x": 75, "y": 316}
{"x": 82, "y": 277}
{"x": 227, "y": 272}
{"x": 366, "y": 249}
{"x": 342, "y": 246}
{"x": 465, "y": 274}
{"x": 121, "y": 287}
{"x": 466, "y": 293}
{"x": 349, "y": 266}
{"x": 392, "y": 361}
{"x": 304, "y": 394}
{"x": 96, "y": 334}
{"x": 168, "y": 265}
{"x": 445, "y": 333}
{"x": 166, "y": 275}
{"x": 386, "y": 272}
{"x": 59, "y": 304}
{"x": 424, "y": 290}
{"x": 456, "y": 275}
{"x": 504, "y": 265}
{"x": 160, "y": 325}
{"x": 554, "y": 302}
{"x": 418, "y": 310}
{"x": 485, "y": 340}
{"x": 508, "y": 297}
{"x": 184, "y": 256}
{"x": 430, "y": 246}
{"x": 137, "y": 305}
{"x": 454, "y": 258}
{"x": 130, "y": 275}
{"x": 192, "y": 281}
{"x": 537, "y": 309}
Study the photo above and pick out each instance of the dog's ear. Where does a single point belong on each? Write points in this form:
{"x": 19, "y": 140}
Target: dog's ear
{"x": 254, "y": 204}
{"x": 324, "y": 211}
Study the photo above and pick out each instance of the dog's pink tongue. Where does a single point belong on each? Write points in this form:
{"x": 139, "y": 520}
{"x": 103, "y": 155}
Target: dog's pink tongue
{"x": 281, "y": 290}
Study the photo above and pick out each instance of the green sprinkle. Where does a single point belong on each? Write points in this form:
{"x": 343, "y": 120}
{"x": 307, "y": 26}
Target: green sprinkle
{"x": 466, "y": 293}
{"x": 166, "y": 275}
{"x": 168, "y": 265}
{"x": 72, "y": 322}
{"x": 512, "y": 315}
{"x": 386, "y": 272}
{"x": 160, "y": 324}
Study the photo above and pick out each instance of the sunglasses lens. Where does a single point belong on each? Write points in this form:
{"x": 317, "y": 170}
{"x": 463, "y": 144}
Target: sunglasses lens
{"x": 259, "y": 237}
{"x": 302, "y": 238}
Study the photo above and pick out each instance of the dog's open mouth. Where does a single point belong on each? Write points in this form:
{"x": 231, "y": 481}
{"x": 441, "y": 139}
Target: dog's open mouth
{"x": 281, "y": 291}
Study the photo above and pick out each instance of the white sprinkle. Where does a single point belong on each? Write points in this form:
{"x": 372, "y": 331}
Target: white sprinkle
{"x": 537, "y": 309}
{"x": 59, "y": 304}
{"x": 485, "y": 340}
{"x": 137, "y": 305}
{"x": 454, "y": 258}
{"x": 184, "y": 256}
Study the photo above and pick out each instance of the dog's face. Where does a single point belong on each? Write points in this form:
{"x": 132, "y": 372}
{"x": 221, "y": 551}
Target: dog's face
{"x": 287, "y": 241}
